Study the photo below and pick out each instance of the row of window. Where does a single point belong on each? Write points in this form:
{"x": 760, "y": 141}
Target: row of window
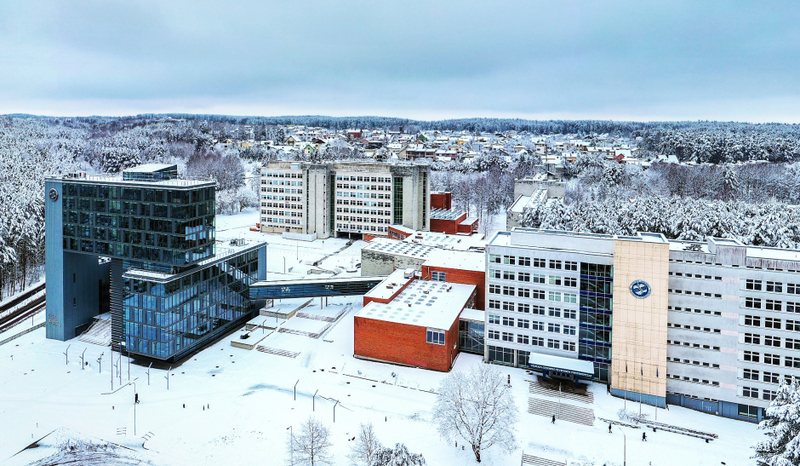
{"x": 280, "y": 197}
{"x": 283, "y": 213}
{"x": 697, "y": 275}
{"x": 693, "y": 379}
{"x": 752, "y": 392}
{"x": 533, "y": 278}
{"x": 281, "y": 182}
{"x": 769, "y": 340}
{"x": 282, "y": 221}
{"x": 771, "y": 359}
{"x": 531, "y": 324}
{"x": 696, "y": 293}
{"x": 771, "y": 287}
{"x": 282, "y": 175}
{"x": 696, "y": 311}
{"x": 536, "y": 262}
{"x": 363, "y": 203}
{"x": 368, "y": 179}
{"x": 527, "y": 308}
{"x": 693, "y": 362}
{"x": 352, "y": 218}
{"x": 359, "y": 227}
{"x": 360, "y": 211}
{"x": 282, "y": 205}
{"x": 282, "y": 190}
{"x": 531, "y": 340}
{"x": 771, "y": 322}
{"x": 434, "y": 337}
{"x": 694, "y": 327}
{"x": 556, "y": 296}
{"x": 771, "y": 304}
{"x": 693, "y": 345}
{"x": 765, "y": 376}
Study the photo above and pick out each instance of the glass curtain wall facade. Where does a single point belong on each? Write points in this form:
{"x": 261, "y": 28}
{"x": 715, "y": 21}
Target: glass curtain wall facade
{"x": 596, "y": 297}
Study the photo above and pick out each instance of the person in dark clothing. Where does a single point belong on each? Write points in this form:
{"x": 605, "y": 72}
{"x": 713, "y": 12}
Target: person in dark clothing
{"x": 609, "y": 427}
{"x": 554, "y": 419}
{"x": 136, "y": 399}
{"x": 644, "y": 436}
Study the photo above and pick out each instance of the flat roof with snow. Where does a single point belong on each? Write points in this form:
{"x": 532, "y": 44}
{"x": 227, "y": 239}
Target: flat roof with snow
{"x": 445, "y": 241}
{"x": 389, "y": 286}
{"x": 399, "y": 248}
{"x": 423, "y": 303}
{"x": 559, "y": 363}
{"x": 461, "y": 260}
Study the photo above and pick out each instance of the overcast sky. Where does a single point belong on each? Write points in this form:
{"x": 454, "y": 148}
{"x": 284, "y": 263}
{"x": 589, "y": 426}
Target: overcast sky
{"x": 640, "y": 60}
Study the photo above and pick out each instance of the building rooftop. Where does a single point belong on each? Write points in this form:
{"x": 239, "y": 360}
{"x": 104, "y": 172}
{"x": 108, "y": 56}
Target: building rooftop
{"x": 390, "y": 285}
{"x": 444, "y": 214}
{"x": 445, "y": 241}
{"x": 401, "y": 248}
{"x": 118, "y": 180}
{"x": 150, "y": 167}
{"x": 423, "y": 303}
{"x": 462, "y": 260}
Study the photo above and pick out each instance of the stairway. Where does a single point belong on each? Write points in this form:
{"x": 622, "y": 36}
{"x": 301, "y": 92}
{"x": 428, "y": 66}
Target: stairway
{"x": 537, "y": 389}
{"x": 99, "y": 333}
{"x": 277, "y": 352}
{"x": 562, "y": 411}
{"x": 539, "y": 461}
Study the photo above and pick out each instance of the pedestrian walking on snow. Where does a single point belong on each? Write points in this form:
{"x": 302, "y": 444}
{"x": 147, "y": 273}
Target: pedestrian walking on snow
{"x": 609, "y": 427}
{"x": 554, "y": 419}
{"x": 644, "y": 436}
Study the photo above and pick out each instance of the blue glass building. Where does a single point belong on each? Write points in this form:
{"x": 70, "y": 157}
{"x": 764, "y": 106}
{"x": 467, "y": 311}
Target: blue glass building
{"x": 171, "y": 290}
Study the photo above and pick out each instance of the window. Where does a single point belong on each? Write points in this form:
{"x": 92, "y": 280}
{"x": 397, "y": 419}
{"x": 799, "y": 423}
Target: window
{"x": 569, "y": 330}
{"x": 538, "y": 278}
{"x": 494, "y": 259}
{"x": 508, "y": 275}
{"x": 537, "y": 294}
{"x": 772, "y": 359}
{"x": 750, "y": 374}
{"x": 753, "y": 284}
{"x": 541, "y": 263}
{"x": 770, "y": 340}
{"x": 493, "y": 319}
{"x": 508, "y": 321}
{"x": 501, "y": 355}
{"x": 554, "y": 280}
{"x": 523, "y": 323}
{"x": 748, "y": 411}
{"x": 524, "y": 292}
{"x": 536, "y": 325}
{"x": 790, "y": 361}
{"x": 569, "y": 346}
{"x": 752, "y": 303}
{"x": 508, "y": 290}
{"x": 494, "y": 304}
{"x": 749, "y": 392}
{"x": 434, "y": 336}
{"x": 775, "y": 287}
{"x": 524, "y": 276}
{"x": 770, "y": 377}
{"x": 768, "y": 395}
{"x": 554, "y": 312}
{"x": 569, "y": 281}
{"x": 508, "y": 306}
{"x": 570, "y": 298}
{"x": 554, "y": 296}
{"x": 752, "y": 338}
{"x": 524, "y": 339}
{"x": 537, "y": 341}
{"x": 571, "y": 265}
{"x": 570, "y": 314}
{"x": 555, "y": 264}
{"x": 509, "y": 260}
{"x": 494, "y": 289}
{"x": 508, "y": 337}
{"x": 792, "y": 343}
{"x": 771, "y": 322}
{"x": 752, "y": 356}
{"x": 525, "y": 261}
{"x": 536, "y": 309}
{"x": 772, "y": 305}
{"x": 554, "y": 328}
{"x": 792, "y": 288}
{"x": 494, "y": 334}
{"x": 439, "y": 276}
{"x": 524, "y": 307}
{"x": 754, "y": 321}
{"x": 793, "y": 325}
{"x": 554, "y": 344}
{"x": 792, "y": 307}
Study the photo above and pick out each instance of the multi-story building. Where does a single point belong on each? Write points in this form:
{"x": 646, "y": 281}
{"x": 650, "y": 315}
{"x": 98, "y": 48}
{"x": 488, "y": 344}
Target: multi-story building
{"x": 344, "y": 199}
{"x": 713, "y": 326}
{"x": 171, "y": 289}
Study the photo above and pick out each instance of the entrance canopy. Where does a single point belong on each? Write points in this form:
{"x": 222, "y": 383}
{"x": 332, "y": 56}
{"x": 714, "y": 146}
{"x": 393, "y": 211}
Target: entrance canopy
{"x": 550, "y": 363}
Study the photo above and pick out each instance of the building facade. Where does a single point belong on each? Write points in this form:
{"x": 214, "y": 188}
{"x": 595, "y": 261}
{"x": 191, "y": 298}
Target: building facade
{"x": 711, "y": 326}
{"x": 343, "y": 199}
{"x": 171, "y": 290}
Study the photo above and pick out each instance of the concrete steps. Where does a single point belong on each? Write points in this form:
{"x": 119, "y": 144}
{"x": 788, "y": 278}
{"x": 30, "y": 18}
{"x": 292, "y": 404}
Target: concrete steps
{"x": 562, "y": 411}
{"x": 277, "y": 352}
{"x": 537, "y": 389}
{"x": 539, "y": 461}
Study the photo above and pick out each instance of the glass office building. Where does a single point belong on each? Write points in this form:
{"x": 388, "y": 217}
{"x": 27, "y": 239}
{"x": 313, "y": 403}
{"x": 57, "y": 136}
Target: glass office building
{"x": 171, "y": 291}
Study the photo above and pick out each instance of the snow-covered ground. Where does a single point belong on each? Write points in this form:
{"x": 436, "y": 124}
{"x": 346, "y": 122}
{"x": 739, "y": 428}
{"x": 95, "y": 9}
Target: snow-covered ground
{"x": 250, "y": 404}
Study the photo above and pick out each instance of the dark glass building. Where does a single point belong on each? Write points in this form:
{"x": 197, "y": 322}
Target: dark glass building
{"x": 171, "y": 290}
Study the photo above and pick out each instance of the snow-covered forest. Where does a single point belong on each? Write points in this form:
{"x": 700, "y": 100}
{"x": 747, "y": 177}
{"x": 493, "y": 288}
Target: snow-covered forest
{"x": 755, "y": 203}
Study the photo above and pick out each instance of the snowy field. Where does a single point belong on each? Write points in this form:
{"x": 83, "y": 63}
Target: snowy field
{"x": 250, "y": 404}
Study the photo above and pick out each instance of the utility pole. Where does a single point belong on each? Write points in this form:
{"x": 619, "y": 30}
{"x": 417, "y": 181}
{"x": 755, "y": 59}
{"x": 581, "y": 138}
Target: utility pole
{"x": 83, "y": 361}
{"x": 100, "y": 366}
{"x": 66, "y": 355}
{"x": 167, "y": 376}
{"x": 148, "y": 373}
{"x": 314, "y": 401}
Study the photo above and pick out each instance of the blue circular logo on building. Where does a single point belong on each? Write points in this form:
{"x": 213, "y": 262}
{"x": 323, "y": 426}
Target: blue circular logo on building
{"x": 640, "y": 288}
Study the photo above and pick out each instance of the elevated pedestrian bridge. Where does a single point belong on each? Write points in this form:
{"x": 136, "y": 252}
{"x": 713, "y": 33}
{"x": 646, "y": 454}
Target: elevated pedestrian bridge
{"x": 313, "y": 287}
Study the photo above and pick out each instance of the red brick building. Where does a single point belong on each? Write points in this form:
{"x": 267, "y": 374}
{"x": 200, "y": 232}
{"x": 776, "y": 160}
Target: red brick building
{"x": 417, "y": 327}
{"x": 464, "y": 267}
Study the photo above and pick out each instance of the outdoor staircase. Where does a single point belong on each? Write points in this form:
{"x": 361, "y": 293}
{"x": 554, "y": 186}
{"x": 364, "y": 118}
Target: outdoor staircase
{"x": 537, "y": 389}
{"x": 539, "y": 461}
{"x": 277, "y": 352}
{"x": 99, "y": 333}
{"x": 562, "y": 411}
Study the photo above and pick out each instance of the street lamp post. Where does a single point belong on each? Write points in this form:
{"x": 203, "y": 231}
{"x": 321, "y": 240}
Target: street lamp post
{"x": 66, "y": 355}
{"x": 167, "y": 376}
{"x": 295, "y": 389}
{"x": 148, "y": 373}
{"x": 334, "y": 410}
{"x": 83, "y": 360}
{"x": 100, "y": 365}
{"x": 314, "y": 401}
{"x": 134, "y": 408}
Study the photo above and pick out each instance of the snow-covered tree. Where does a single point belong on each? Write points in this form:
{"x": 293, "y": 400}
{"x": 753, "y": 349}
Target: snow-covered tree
{"x": 477, "y": 407}
{"x": 782, "y": 426}
{"x": 397, "y": 456}
{"x": 365, "y": 450}
{"x": 312, "y": 446}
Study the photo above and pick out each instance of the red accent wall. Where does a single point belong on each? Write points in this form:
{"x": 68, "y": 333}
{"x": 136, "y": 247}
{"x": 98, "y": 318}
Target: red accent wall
{"x": 469, "y": 228}
{"x": 404, "y": 344}
{"x": 467, "y": 277}
{"x": 443, "y": 200}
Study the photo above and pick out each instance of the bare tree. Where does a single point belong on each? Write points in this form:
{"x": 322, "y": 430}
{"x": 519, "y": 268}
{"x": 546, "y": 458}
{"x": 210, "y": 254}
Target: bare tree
{"x": 312, "y": 446}
{"x": 397, "y": 456}
{"x": 477, "y": 407}
{"x": 366, "y": 447}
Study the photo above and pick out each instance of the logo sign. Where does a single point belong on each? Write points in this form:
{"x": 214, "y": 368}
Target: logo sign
{"x": 640, "y": 289}
{"x": 53, "y": 194}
